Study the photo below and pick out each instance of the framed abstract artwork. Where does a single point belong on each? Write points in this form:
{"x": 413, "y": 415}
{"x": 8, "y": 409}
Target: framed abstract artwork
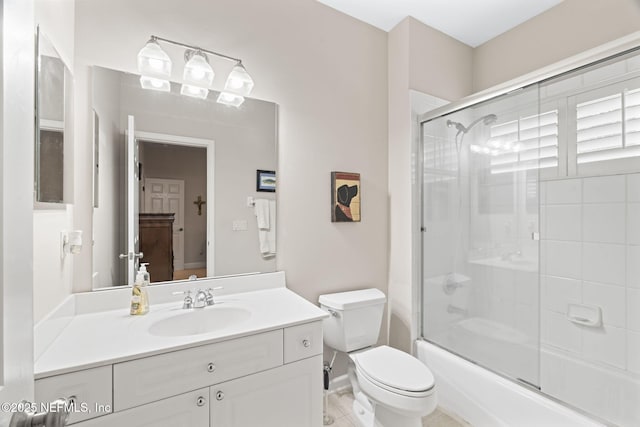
{"x": 345, "y": 197}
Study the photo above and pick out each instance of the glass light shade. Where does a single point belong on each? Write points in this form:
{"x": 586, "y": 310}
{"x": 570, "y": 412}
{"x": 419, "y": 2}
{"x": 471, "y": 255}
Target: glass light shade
{"x": 197, "y": 71}
{"x": 232, "y": 99}
{"x": 239, "y": 81}
{"x": 155, "y": 84}
{"x": 153, "y": 61}
{"x": 194, "y": 91}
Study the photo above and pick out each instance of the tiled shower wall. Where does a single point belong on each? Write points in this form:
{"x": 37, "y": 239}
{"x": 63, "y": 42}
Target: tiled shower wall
{"x": 590, "y": 254}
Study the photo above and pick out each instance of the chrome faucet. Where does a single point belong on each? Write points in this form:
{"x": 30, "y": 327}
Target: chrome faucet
{"x": 209, "y": 299}
{"x": 188, "y": 300}
{"x": 201, "y": 299}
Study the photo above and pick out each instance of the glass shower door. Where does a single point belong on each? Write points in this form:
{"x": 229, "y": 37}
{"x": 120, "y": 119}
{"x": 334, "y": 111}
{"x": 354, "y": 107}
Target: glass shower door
{"x": 480, "y": 247}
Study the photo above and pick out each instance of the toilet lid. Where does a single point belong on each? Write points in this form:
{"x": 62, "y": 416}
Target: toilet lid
{"x": 395, "y": 369}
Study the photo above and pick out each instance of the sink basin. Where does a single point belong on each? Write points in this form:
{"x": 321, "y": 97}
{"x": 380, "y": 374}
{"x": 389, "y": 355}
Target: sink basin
{"x": 199, "y": 321}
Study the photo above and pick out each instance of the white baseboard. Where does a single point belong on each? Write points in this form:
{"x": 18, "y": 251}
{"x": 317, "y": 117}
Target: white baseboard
{"x": 339, "y": 383}
{"x": 194, "y": 265}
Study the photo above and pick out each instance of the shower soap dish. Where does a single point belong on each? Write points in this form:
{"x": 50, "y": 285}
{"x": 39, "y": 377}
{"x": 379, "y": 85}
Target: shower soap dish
{"x": 586, "y": 315}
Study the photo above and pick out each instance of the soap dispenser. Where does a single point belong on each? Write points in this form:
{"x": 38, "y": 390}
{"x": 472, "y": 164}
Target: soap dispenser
{"x": 139, "y": 295}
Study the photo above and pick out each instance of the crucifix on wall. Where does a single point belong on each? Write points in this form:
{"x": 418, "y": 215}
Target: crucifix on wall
{"x": 199, "y": 202}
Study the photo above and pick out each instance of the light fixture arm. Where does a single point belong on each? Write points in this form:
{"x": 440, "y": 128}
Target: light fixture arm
{"x": 196, "y": 48}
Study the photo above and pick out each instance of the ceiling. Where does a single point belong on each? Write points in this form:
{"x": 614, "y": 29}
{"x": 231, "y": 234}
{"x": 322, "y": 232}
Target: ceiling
{"x": 472, "y": 22}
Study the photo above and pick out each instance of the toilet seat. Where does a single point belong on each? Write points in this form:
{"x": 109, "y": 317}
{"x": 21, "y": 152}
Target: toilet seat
{"x": 395, "y": 371}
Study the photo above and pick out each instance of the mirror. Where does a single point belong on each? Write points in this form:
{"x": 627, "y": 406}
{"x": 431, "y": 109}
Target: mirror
{"x": 52, "y": 88}
{"x": 175, "y": 182}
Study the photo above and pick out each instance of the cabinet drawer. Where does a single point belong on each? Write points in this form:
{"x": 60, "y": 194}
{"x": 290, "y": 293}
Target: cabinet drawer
{"x": 185, "y": 410}
{"x": 302, "y": 341}
{"x": 91, "y": 387}
{"x": 144, "y": 380}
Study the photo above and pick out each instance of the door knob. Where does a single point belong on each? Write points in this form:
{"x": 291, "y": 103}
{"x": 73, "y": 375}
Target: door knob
{"x": 131, "y": 255}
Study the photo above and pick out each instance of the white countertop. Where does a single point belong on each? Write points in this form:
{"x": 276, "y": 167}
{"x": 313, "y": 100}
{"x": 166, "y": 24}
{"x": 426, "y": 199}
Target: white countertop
{"x": 105, "y": 337}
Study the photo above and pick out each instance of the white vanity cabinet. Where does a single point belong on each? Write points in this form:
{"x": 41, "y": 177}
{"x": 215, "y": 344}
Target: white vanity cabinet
{"x": 184, "y": 410}
{"x": 287, "y": 396}
{"x": 153, "y": 378}
{"x": 90, "y": 389}
{"x": 266, "y": 379}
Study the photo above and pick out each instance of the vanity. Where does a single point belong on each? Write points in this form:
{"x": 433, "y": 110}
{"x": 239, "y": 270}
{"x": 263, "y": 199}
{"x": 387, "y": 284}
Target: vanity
{"x": 254, "y": 358}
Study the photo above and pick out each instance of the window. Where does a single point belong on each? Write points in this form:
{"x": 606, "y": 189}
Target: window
{"x": 608, "y": 128}
{"x": 527, "y": 143}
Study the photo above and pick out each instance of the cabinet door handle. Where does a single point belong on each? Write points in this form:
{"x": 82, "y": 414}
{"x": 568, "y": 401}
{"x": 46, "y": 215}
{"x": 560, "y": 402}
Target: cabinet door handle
{"x": 211, "y": 367}
{"x": 219, "y": 395}
{"x": 306, "y": 343}
{"x": 201, "y": 401}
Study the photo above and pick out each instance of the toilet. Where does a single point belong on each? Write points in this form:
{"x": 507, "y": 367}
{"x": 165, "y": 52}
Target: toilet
{"x": 391, "y": 388}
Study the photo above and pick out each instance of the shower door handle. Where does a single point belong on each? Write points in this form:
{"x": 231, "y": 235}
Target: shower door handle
{"x": 535, "y": 236}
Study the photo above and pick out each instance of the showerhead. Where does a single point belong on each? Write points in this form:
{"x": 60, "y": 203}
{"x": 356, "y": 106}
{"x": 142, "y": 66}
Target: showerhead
{"x": 486, "y": 120}
{"x": 489, "y": 119}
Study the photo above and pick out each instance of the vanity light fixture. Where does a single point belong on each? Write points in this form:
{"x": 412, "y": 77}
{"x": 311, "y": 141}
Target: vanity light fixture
{"x": 154, "y": 66}
{"x": 228, "y": 98}
{"x": 239, "y": 81}
{"x": 198, "y": 74}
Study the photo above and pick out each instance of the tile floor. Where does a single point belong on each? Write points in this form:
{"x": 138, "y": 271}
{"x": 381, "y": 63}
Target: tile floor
{"x": 340, "y": 409}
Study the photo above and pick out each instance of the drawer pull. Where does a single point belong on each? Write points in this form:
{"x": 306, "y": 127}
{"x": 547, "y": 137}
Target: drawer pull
{"x": 201, "y": 401}
{"x": 211, "y": 367}
{"x": 306, "y": 343}
{"x": 219, "y": 395}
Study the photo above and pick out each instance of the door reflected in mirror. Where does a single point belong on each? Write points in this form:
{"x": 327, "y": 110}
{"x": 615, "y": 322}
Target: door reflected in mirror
{"x": 173, "y": 177}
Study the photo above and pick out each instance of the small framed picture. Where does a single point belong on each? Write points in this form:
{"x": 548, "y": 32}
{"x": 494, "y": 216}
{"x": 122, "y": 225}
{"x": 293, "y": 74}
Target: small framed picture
{"x": 345, "y": 197}
{"x": 265, "y": 180}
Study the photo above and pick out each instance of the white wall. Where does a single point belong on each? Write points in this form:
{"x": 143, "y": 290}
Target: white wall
{"x": 108, "y": 215}
{"x": 571, "y": 27}
{"x": 412, "y": 49}
{"x": 16, "y": 198}
{"x": 53, "y": 276}
{"x": 328, "y": 74}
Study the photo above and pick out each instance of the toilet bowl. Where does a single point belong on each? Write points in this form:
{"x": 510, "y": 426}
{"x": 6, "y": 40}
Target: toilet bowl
{"x": 391, "y": 388}
{"x": 400, "y": 388}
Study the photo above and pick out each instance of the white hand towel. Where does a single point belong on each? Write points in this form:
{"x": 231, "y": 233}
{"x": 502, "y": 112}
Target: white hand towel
{"x": 265, "y": 211}
{"x": 261, "y": 210}
{"x": 271, "y": 235}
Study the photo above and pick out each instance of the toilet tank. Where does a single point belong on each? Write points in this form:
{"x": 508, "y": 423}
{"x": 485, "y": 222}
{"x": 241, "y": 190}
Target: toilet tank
{"x": 355, "y": 318}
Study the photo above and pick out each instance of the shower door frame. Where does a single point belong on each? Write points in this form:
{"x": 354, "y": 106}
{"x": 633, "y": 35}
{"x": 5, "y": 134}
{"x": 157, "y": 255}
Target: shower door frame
{"x": 622, "y": 46}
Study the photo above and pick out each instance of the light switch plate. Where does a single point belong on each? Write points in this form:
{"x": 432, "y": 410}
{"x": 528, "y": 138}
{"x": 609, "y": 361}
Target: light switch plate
{"x": 240, "y": 225}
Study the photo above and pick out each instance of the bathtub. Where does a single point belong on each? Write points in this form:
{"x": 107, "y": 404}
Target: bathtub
{"x": 485, "y": 399}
